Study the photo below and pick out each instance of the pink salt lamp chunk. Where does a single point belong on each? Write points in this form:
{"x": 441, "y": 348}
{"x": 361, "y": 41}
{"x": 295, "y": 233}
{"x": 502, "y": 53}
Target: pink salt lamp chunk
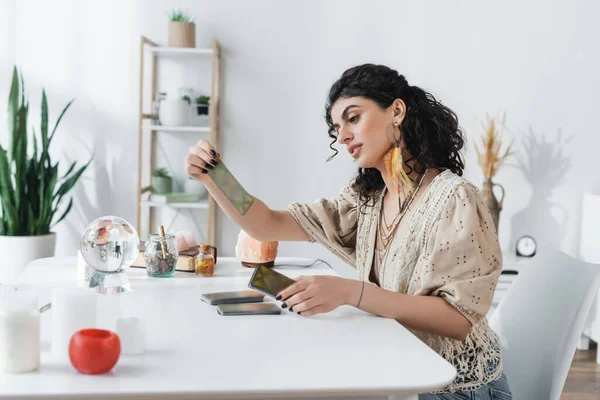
{"x": 185, "y": 240}
{"x": 253, "y": 253}
{"x": 190, "y": 239}
{"x": 180, "y": 243}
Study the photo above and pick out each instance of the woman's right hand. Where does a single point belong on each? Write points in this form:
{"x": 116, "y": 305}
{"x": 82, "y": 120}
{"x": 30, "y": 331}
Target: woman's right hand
{"x": 201, "y": 158}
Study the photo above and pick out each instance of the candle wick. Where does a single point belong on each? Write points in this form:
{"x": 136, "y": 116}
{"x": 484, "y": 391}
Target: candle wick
{"x": 45, "y": 307}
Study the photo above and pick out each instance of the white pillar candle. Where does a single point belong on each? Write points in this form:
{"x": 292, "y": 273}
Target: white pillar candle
{"x": 72, "y": 310}
{"x": 19, "y": 340}
{"x": 19, "y": 329}
{"x": 132, "y": 334}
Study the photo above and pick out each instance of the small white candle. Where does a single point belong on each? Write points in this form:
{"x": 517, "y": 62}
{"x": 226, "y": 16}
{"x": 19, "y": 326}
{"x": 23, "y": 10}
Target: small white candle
{"x": 132, "y": 334}
{"x": 19, "y": 329}
{"x": 72, "y": 310}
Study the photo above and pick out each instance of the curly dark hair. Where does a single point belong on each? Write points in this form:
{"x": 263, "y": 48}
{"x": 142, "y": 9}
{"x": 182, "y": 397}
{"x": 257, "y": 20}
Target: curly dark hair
{"x": 430, "y": 129}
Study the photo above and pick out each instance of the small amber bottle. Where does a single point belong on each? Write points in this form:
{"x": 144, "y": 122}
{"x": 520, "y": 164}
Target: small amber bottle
{"x": 205, "y": 262}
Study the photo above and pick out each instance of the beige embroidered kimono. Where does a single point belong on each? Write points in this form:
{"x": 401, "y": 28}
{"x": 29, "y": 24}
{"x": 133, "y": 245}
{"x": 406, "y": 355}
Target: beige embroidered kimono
{"x": 450, "y": 250}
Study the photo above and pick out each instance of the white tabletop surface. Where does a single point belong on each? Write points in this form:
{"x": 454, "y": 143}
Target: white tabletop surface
{"x": 193, "y": 352}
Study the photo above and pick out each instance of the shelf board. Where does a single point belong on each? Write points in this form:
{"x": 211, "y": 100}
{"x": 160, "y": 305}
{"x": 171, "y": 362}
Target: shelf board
{"x": 191, "y": 129}
{"x": 200, "y": 204}
{"x": 175, "y": 51}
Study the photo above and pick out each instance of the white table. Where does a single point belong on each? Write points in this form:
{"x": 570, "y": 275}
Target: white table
{"x": 194, "y": 353}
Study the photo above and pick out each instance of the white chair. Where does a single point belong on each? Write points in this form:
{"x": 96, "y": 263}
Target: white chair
{"x": 539, "y": 322}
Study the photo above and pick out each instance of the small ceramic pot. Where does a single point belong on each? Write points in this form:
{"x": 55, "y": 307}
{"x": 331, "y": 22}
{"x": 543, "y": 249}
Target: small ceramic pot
{"x": 174, "y": 112}
{"x": 202, "y": 109}
{"x": 94, "y": 351}
{"x": 162, "y": 184}
{"x": 182, "y": 34}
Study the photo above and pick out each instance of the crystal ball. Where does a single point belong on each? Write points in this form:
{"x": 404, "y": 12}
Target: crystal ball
{"x": 110, "y": 244}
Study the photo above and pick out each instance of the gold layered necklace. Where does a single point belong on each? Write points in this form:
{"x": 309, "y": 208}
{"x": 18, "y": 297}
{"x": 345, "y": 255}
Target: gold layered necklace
{"x": 387, "y": 237}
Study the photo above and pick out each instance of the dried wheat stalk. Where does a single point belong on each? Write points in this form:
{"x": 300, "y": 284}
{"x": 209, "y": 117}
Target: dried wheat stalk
{"x": 490, "y": 159}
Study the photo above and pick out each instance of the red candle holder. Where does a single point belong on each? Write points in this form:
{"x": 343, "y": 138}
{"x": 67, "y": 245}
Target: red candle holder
{"x": 94, "y": 351}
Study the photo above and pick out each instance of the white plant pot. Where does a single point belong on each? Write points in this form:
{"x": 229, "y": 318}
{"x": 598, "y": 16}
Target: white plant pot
{"x": 18, "y": 251}
{"x": 193, "y": 186}
{"x": 174, "y": 112}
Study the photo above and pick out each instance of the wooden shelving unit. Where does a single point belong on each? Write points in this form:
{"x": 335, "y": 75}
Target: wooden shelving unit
{"x": 203, "y": 204}
{"x": 149, "y": 48}
{"x": 190, "y": 129}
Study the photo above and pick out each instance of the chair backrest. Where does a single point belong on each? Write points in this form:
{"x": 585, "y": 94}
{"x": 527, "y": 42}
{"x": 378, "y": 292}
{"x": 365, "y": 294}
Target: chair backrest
{"x": 540, "y": 320}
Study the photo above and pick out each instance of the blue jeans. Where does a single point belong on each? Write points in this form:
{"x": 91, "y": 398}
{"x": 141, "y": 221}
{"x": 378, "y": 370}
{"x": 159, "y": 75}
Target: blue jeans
{"x": 496, "y": 390}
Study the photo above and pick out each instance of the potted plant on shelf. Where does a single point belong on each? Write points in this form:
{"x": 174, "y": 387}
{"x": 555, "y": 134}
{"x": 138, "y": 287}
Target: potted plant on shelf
{"x": 162, "y": 182}
{"x": 31, "y": 190}
{"x": 202, "y": 103}
{"x": 182, "y": 31}
{"x": 174, "y": 111}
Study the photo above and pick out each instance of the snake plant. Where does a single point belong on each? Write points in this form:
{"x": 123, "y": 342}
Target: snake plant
{"x": 31, "y": 190}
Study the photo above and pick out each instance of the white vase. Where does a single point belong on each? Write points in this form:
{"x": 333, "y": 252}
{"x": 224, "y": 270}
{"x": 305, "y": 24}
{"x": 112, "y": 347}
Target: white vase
{"x": 174, "y": 112}
{"x": 18, "y": 251}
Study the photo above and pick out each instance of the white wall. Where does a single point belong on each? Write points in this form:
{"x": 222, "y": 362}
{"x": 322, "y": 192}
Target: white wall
{"x": 538, "y": 61}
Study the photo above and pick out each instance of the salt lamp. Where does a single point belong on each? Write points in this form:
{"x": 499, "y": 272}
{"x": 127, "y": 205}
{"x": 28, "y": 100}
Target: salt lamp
{"x": 253, "y": 253}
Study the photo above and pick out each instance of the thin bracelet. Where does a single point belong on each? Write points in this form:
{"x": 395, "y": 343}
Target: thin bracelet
{"x": 361, "y": 293}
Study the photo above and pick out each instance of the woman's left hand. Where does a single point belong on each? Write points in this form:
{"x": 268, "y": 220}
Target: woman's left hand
{"x": 312, "y": 295}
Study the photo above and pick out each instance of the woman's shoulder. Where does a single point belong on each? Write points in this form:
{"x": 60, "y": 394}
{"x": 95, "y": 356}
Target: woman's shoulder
{"x": 450, "y": 192}
{"x": 453, "y": 185}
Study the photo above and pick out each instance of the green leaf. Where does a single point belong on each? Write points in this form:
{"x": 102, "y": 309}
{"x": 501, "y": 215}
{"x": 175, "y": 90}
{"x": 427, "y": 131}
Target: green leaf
{"x": 48, "y": 179}
{"x": 22, "y": 89}
{"x": 31, "y": 228}
{"x": 60, "y": 117}
{"x": 11, "y": 217}
{"x": 44, "y": 123}
{"x": 41, "y": 175}
{"x": 32, "y": 187}
{"x": 69, "y": 170}
{"x": 20, "y": 161}
{"x": 35, "y": 146}
{"x": 6, "y": 185}
{"x": 47, "y": 210}
{"x": 13, "y": 110}
{"x": 65, "y": 213}
{"x": 69, "y": 183}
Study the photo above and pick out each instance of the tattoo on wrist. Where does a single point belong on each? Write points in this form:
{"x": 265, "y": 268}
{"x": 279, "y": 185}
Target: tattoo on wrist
{"x": 238, "y": 196}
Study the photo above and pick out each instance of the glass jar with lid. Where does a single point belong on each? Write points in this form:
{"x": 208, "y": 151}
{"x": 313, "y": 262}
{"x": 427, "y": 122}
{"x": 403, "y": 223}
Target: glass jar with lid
{"x": 205, "y": 262}
{"x": 161, "y": 256}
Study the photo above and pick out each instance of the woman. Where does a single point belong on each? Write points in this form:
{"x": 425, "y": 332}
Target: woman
{"x": 419, "y": 235}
